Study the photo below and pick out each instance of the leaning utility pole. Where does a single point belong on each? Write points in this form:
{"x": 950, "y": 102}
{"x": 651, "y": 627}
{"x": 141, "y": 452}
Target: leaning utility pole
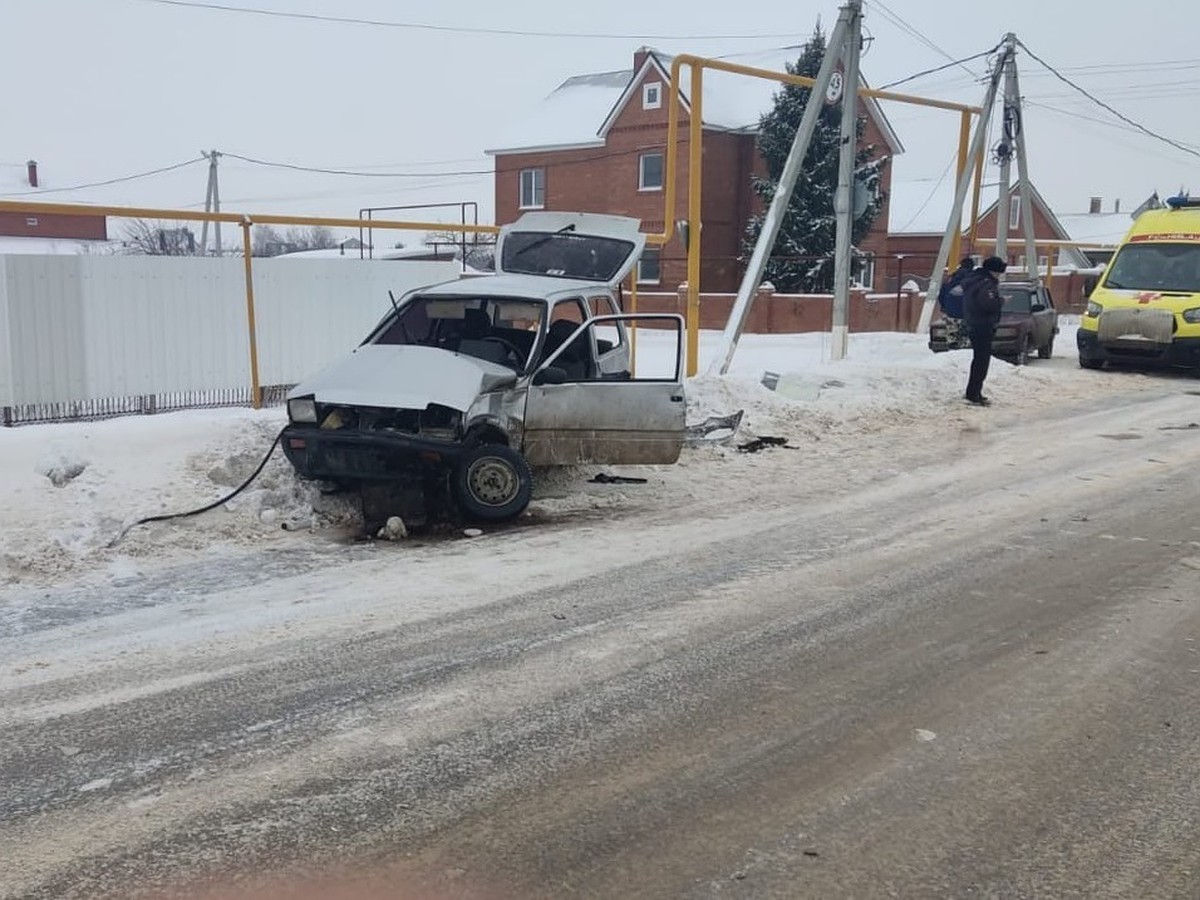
{"x": 212, "y": 203}
{"x": 843, "y": 201}
{"x": 954, "y": 226}
{"x": 849, "y": 19}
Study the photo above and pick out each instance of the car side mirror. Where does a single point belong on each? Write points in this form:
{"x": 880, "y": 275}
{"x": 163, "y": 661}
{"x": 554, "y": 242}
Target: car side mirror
{"x": 550, "y": 375}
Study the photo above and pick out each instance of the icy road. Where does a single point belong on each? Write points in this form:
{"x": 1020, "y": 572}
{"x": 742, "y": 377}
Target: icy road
{"x": 937, "y": 656}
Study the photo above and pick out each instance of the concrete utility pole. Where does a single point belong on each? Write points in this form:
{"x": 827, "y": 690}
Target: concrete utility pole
{"x": 849, "y": 18}
{"x": 1012, "y": 100}
{"x": 212, "y": 202}
{"x": 1006, "y": 150}
{"x": 843, "y": 201}
{"x": 960, "y": 193}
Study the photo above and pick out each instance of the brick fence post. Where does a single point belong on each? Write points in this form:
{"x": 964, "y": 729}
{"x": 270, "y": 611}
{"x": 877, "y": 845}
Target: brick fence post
{"x": 765, "y": 300}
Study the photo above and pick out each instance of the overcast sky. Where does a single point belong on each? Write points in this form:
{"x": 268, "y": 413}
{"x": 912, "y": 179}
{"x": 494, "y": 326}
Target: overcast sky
{"x": 99, "y": 89}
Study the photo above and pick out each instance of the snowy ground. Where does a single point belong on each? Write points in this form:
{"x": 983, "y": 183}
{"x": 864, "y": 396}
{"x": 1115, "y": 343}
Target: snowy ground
{"x": 70, "y": 489}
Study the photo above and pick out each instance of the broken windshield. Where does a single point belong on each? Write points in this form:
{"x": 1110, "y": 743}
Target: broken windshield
{"x": 498, "y": 330}
{"x": 1173, "y": 268}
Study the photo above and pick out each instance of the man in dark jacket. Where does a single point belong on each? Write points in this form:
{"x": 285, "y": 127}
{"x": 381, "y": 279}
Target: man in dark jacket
{"x": 981, "y": 314}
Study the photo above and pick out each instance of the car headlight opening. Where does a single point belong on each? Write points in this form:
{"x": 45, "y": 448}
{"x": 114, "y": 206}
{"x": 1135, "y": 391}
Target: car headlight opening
{"x": 1093, "y": 310}
{"x": 303, "y": 409}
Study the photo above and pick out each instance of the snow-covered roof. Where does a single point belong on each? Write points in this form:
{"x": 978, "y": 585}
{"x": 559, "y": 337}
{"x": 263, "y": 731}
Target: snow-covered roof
{"x": 576, "y": 113}
{"x": 1100, "y": 229}
{"x": 37, "y": 246}
{"x": 920, "y": 206}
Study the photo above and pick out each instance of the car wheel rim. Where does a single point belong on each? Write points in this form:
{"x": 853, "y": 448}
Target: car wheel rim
{"x": 492, "y": 481}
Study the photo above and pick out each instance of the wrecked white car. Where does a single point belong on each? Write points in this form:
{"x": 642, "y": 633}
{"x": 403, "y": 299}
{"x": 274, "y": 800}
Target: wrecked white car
{"x": 465, "y": 385}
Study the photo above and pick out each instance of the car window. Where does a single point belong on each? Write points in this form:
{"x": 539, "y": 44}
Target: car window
{"x": 499, "y": 330}
{"x": 607, "y": 334}
{"x": 1017, "y": 301}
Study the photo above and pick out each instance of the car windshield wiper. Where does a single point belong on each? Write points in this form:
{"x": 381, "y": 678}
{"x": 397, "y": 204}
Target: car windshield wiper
{"x": 1114, "y": 284}
{"x": 549, "y": 237}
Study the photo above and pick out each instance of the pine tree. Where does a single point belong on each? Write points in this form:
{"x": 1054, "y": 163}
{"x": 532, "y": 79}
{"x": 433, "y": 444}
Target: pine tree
{"x": 802, "y": 258}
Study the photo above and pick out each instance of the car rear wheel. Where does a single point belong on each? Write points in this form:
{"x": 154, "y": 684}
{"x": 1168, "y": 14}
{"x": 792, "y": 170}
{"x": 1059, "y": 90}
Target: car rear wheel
{"x": 1047, "y": 351}
{"x": 1086, "y": 363}
{"x": 492, "y": 483}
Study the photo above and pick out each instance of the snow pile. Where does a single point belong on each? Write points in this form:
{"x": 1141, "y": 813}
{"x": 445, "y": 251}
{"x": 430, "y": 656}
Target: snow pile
{"x": 61, "y": 463}
{"x": 71, "y": 488}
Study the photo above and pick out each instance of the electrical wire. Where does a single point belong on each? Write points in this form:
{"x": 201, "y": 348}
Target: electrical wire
{"x": 1138, "y": 125}
{"x": 897, "y": 20}
{"x": 203, "y": 509}
{"x": 458, "y": 29}
{"x": 95, "y": 184}
{"x": 932, "y": 193}
{"x": 941, "y": 68}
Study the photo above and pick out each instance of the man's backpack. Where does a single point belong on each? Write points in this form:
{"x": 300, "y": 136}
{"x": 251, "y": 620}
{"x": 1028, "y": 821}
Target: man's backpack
{"x": 950, "y": 297}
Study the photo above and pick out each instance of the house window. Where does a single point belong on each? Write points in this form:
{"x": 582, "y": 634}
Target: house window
{"x": 652, "y": 95}
{"x": 650, "y": 172}
{"x": 31, "y": 222}
{"x": 533, "y": 188}
{"x": 1014, "y": 212}
{"x": 649, "y": 269}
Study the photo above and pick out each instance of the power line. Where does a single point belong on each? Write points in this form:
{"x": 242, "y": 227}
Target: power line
{"x": 1140, "y": 127}
{"x": 942, "y": 68}
{"x": 351, "y": 172}
{"x": 915, "y": 33}
{"x": 456, "y": 29}
{"x": 95, "y": 184}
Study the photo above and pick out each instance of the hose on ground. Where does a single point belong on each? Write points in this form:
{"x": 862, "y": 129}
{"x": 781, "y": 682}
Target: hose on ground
{"x": 203, "y": 509}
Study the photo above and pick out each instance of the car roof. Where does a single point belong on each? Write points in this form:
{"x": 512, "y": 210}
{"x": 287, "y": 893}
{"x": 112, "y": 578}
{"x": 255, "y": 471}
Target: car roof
{"x": 525, "y": 286}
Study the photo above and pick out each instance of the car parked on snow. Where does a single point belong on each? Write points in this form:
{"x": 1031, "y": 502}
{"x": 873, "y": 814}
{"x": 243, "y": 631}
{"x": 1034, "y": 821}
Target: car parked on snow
{"x": 1028, "y": 324}
{"x": 464, "y": 386}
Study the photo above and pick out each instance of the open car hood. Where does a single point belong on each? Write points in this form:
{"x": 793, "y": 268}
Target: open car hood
{"x": 405, "y": 377}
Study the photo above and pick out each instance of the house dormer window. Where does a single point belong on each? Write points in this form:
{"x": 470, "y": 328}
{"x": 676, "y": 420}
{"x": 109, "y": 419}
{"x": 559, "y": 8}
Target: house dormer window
{"x": 652, "y": 95}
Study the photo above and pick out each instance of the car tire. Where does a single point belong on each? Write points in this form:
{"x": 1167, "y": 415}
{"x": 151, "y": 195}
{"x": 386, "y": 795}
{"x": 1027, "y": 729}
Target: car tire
{"x": 492, "y": 483}
{"x": 1047, "y": 351}
{"x": 1023, "y": 351}
{"x": 1087, "y": 363}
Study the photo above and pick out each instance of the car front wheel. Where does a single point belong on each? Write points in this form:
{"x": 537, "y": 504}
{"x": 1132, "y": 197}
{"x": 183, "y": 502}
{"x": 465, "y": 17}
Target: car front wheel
{"x": 492, "y": 483}
{"x": 1047, "y": 351}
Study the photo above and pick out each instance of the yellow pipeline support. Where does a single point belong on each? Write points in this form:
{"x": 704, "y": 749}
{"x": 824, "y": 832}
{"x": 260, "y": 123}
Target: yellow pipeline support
{"x": 964, "y": 150}
{"x": 687, "y": 59}
{"x": 697, "y": 65}
{"x": 245, "y": 222}
{"x": 251, "y": 321}
{"x": 633, "y": 324}
{"x": 695, "y": 169}
{"x": 188, "y": 215}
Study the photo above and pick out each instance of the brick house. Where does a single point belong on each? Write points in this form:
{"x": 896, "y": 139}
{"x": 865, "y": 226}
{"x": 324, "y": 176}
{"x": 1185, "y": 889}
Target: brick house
{"x": 41, "y": 232}
{"x": 597, "y": 144}
{"x": 918, "y": 220}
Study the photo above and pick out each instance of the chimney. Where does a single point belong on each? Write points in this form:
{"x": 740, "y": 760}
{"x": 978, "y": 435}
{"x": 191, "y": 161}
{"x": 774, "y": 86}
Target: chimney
{"x": 639, "y": 57}
{"x": 1095, "y": 206}
{"x": 1117, "y": 205}
{"x": 31, "y": 171}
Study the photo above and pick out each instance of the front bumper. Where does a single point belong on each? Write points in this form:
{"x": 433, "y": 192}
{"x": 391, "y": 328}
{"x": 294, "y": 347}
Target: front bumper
{"x": 348, "y": 455}
{"x": 1180, "y": 352}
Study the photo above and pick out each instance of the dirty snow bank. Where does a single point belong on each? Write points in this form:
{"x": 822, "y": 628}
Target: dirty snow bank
{"x": 70, "y": 489}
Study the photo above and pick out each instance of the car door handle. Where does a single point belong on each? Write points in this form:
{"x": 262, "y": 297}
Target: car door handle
{"x": 677, "y": 398}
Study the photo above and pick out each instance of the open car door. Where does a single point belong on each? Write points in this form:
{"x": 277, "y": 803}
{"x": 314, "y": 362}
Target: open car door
{"x": 576, "y": 413}
{"x": 580, "y": 246}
